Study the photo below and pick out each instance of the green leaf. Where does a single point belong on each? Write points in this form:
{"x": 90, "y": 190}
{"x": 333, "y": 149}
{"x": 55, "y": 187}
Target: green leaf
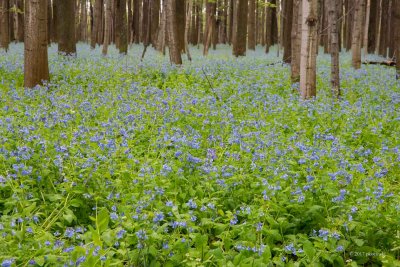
{"x": 102, "y": 220}
{"x": 309, "y": 249}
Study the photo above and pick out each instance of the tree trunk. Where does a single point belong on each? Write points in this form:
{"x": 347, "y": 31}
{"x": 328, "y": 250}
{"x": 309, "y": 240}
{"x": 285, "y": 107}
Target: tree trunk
{"x": 333, "y": 12}
{"x": 373, "y": 23}
{"x": 287, "y": 30}
{"x": 396, "y": 17}
{"x": 83, "y": 21}
{"x": 268, "y": 30}
{"x": 145, "y": 20}
{"x": 309, "y": 45}
{"x": 172, "y": 30}
{"x": 108, "y": 25}
{"x": 66, "y": 27}
{"x": 180, "y": 20}
{"x": 187, "y": 24}
{"x": 121, "y": 26}
{"x": 4, "y": 24}
{"x": 357, "y": 32}
{"x": 296, "y": 40}
{"x": 383, "y": 45}
{"x": 231, "y": 15}
{"x": 366, "y": 27}
{"x": 49, "y": 21}
{"x": 96, "y": 23}
{"x": 36, "y": 67}
{"x": 208, "y": 34}
{"x": 136, "y": 21}
{"x": 350, "y": 13}
{"x": 240, "y": 28}
{"x": 20, "y": 21}
{"x": 251, "y": 24}
{"x": 155, "y": 20}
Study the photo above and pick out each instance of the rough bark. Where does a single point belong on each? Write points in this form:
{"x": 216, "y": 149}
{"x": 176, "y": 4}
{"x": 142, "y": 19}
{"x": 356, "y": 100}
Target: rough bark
{"x": 36, "y": 68}
{"x": 155, "y": 20}
{"x": 66, "y": 27}
{"x": 333, "y": 7}
{"x": 83, "y": 21}
{"x": 172, "y": 31}
{"x": 136, "y": 21}
{"x": 383, "y": 44}
{"x": 4, "y": 25}
{"x": 251, "y": 24}
{"x": 373, "y": 23}
{"x": 121, "y": 26}
{"x": 287, "y": 30}
{"x": 209, "y": 30}
{"x": 180, "y": 19}
{"x": 96, "y": 23}
{"x": 268, "y": 30}
{"x": 20, "y": 21}
{"x": 357, "y": 33}
{"x": 366, "y": 27}
{"x": 296, "y": 41}
{"x": 240, "y": 28}
{"x": 309, "y": 45}
{"x": 108, "y": 25}
{"x": 396, "y": 17}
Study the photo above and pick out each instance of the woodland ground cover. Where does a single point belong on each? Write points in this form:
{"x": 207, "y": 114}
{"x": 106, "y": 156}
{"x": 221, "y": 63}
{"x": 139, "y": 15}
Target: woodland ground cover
{"x": 216, "y": 163}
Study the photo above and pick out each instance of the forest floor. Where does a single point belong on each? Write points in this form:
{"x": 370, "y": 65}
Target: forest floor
{"x": 215, "y": 163}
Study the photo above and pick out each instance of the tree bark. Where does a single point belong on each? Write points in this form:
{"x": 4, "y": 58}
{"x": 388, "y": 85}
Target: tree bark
{"x": 36, "y": 67}
{"x": 180, "y": 20}
{"x": 309, "y": 45}
{"x": 357, "y": 33}
{"x": 287, "y": 30}
{"x": 83, "y": 21}
{"x": 296, "y": 41}
{"x": 268, "y": 30}
{"x": 172, "y": 31}
{"x": 251, "y": 24}
{"x": 383, "y": 44}
{"x": 96, "y": 23}
{"x": 4, "y": 25}
{"x": 333, "y": 12}
{"x": 108, "y": 25}
{"x": 136, "y": 21}
{"x": 66, "y": 27}
{"x": 155, "y": 20}
{"x": 209, "y": 30}
{"x": 373, "y": 23}
{"x": 121, "y": 26}
{"x": 396, "y": 17}
{"x": 240, "y": 28}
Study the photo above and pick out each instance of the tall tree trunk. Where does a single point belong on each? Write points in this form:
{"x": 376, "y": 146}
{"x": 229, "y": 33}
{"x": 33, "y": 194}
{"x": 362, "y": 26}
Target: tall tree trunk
{"x": 121, "y": 26}
{"x": 274, "y": 22}
{"x": 396, "y": 17}
{"x": 231, "y": 15}
{"x": 136, "y": 21}
{"x": 187, "y": 24}
{"x": 333, "y": 12}
{"x": 145, "y": 19}
{"x": 287, "y": 30}
{"x": 20, "y": 21}
{"x": 36, "y": 67}
{"x": 309, "y": 45}
{"x": 268, "y": 30}
{"x": 172, "y": 29}
{"x": 240, "y": 28}
{"x": 96, "y": 23}
{"x": 262, "y": 33}
{"x": 180, "y": 19}
{"x": 83, "y": 21}
{"x": 130, "y": 19}
{"x": 366, "y": 27}
{"x": 49, "y": 21}
{"x": 251, "y": 24}
{"x": 108, "y": 25}
{"x": 4, "y": 24}
{"x": 296, "y": 40}
{"x": 66, "y": 27}
{"x": 383, "y": 45}
{"x": 357, "y": 32}
{"x": 208, "y": 34}
{"x": 350, "y": 13}
{"x": 373, "y": 23}
{"x": 193, "y": 25}
{"x": 54, "y": 32}
{"x": 155, "y": 20}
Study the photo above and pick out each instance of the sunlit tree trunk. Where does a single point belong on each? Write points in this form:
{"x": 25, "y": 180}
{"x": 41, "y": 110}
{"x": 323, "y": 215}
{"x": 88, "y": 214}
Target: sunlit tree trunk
{"x": 121, "y": 26}
{"x": 268, "y": 30}
{"x": 36, "y": 67}
{"x": 333, "y": 12}
{"x": 309, "y": 43}
{"x": 83, "y": 21}
{"x": 4, "y": 24}
{"x": 172, "y": 31}
{"x": 209, "y": 30}
{"x": 108, "y": 25}
{"x": 357, "y": 33}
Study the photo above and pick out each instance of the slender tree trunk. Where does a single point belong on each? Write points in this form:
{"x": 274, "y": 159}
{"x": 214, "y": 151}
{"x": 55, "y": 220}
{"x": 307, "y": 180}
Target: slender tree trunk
{"x": 296, "y": 41}
{"x": 108, "y": 25}
{"x": 193, "y": 26}
{"x": 333, "y": 13}
{"x": 4, "y": 24}
{"x": 268, "y": 26}
{"x": 366, "y": 27}
{"x": 383, "y": 45}
{"x": 145, "y": 19}
{"x": 20, "y": 21}
{"x": 121, "y": 26}
{"x": 231, "y": 15}
{"x": 49, "y": 21}
{"x": 136, "y": 21}
{"x": 96, "y": 23}
{"x": 130, "y": 19}
{"x": 251, "y": 23}
{"x": 240, "y": 28}
{"x": 287, "y": 30}
{"x": 172, "y": 29}
{"x": 155, "y": 20}
{"x": 350, "y": 13}
{"x": 66, "y": 27}
{"x": 180, "y": 19}
{"x": 309, "y": 45}
{"x": 373, "y": 23}
{"x": 83, "y": 21}
{"x": 36, "y": 67}
{"x": 357, "y": 30}
{"x": 188, "y": 18}
{"x": 210, "y": 14}
{"x": 396, "y": 17}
